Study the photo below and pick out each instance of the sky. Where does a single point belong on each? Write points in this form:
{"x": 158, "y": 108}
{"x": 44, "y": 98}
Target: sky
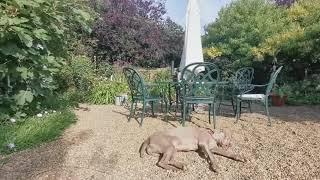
{"x": 208, "y": 10}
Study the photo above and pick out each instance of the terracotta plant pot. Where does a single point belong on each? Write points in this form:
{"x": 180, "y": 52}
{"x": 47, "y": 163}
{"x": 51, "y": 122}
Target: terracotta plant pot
{"x": 278, "y": 100}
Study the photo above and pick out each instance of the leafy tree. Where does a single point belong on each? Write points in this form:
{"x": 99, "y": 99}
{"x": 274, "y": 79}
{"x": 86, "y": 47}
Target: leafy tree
{"x": 35, "y": 37}
{"x": 298, "y": 47}
{"x": 259, "y": 33}
{"x": 134, "y": 31}
{"x": 243, "y": 25}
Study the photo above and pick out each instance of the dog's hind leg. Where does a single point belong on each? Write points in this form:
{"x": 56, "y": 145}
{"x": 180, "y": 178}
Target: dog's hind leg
{"x": 173, "y": 162}
{"x": 165, "y": 159}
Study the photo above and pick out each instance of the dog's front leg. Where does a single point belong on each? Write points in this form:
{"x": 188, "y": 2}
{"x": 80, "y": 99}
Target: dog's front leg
{"x": 213, "y": 163}
{"x": 227, "y": 154}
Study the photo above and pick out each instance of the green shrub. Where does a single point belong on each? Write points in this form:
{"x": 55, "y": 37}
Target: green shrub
{"x": 305, "y": 92}
{"x": 81, "y": 73}
{"x": 104, "y": 92}
{"x": 35, "y": 37}
{"x": 33, "y": 131}
{"x": 104, "y": 70}
{"x": 160, "y": 76}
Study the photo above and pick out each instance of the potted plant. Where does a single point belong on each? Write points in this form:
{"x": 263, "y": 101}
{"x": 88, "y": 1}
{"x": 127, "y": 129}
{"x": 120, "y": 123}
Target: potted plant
{"x": 280, "y": 94}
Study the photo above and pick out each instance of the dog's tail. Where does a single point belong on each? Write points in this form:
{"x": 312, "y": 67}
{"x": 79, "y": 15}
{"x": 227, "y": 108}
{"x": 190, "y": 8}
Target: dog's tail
{"x": 143, "y": 147}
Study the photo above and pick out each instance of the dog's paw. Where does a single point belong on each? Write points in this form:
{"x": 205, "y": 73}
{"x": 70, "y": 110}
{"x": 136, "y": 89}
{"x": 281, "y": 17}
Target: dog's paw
{"x": 184, "y": 168}
{"x": 242, "y": 159}
{"x": 214, "y": 168}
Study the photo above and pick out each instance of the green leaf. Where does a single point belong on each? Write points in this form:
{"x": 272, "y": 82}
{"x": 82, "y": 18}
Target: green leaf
{"x": 16, "y": 21}
{"x": 86, "y": 16}
{"x": 41, "y": 34}
{"x": 23, "y": 96}
{"x": 26, "y": 39}
{"x": 12, "y": 21}
{"x": 11, "y": 49}
{"x": 31, "y": 3}
{"x": 23, "y": 71}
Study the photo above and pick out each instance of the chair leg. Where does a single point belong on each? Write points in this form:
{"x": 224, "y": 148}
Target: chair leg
{"x": 131, "y": 111}
{"x": 267, "y": 111}
{"x": 152, "y": 107}
{"x": 143, "y": 111}
{"x": 249, "y": 104}
{"x": 184, "y": 114}
{"x": 214, "y": 115}
{"x": 233, "y": 108}
{"x": 166, "y": 113}
{"x": 209, "y": 113}
{"x": 238, "y": 110}
{"x": 219, "y": 106}
{"x": 188, "y": 111}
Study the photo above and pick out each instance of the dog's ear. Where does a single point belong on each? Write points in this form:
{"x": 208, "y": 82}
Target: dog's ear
{"x": 227, "y": 133}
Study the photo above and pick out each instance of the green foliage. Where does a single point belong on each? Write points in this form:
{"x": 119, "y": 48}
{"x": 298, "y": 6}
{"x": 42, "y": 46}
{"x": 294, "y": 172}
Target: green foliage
{"x": 34, "y": 39}
{"x": 105, "y": 91}
{"x": 305, "y": 92}
{"x": 31, "y": 132}
{"x": 260, "y": 33}
{"x": 160, "y": 76}
{"x": 79, "y": 74}
{"x": 282, "y": 90}
{"x": 249, "y": 30}
{"x": 243, "y": 25}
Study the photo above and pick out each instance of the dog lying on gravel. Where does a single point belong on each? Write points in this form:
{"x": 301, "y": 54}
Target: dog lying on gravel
{"x": 169, "y": 142}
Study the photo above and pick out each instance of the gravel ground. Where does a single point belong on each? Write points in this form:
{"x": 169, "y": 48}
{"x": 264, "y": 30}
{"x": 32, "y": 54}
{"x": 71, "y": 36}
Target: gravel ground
{"x": 103, "y": 145}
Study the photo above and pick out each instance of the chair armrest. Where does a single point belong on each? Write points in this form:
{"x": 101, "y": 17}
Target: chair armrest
{"x": 260, "y": 85}
{"x": 253, "y": 86}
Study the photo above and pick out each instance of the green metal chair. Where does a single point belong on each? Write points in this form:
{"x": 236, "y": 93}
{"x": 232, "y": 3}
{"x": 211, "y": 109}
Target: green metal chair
{"x": 242, "y": 82}
{"x": 199, "y": 86}
{"x": 263, "y": 98}
{"x": 139, "y": 91}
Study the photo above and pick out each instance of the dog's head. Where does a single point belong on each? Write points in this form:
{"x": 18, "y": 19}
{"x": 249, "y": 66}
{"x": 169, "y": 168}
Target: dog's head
{"x": 221, "y": 137}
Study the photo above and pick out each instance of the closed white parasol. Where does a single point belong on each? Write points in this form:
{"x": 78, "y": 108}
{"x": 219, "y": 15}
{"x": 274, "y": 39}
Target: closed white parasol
{"x": 192, "y": 49}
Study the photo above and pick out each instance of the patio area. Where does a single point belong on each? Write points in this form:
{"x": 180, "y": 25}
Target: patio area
{"x": 103, "y": 145}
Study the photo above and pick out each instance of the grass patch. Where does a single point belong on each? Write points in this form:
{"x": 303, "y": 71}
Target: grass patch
{"x": 34, "y": 131}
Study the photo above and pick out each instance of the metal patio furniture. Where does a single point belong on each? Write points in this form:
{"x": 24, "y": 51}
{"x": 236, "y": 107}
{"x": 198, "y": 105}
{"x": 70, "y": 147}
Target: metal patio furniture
{"x": 262, "y": 98}
{"x": 199, "y": 86}
{"x": 139, "y": 91}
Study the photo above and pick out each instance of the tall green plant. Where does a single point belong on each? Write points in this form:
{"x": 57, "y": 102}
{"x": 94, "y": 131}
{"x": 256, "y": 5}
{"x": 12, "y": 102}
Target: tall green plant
{"x": 34, "y": 41}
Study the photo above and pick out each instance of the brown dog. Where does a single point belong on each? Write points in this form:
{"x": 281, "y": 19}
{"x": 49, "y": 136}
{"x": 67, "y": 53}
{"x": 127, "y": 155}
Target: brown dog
{"x": 169, "y": 142}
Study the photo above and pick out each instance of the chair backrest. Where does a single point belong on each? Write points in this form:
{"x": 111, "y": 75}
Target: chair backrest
{"x": 135, "y": 82}
{"x": 202, "y": 80}
{"x": 272, "y": 80}
{"x": 242, "y": 79}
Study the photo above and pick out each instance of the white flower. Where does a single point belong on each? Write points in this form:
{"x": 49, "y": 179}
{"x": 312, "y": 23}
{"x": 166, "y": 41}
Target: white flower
{"x": 54, "y": 111}
{"x": 11, "y": 145}
{"x": 39, "y": 115}
{"x": 46, "y": 112}
{"x": 13, "y": 120}
{"x": 45, "y": 67}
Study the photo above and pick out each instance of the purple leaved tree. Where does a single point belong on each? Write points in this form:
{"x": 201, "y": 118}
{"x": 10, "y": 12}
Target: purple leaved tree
{"x": 134, "y": 31}
{"x": 284, "y": 2}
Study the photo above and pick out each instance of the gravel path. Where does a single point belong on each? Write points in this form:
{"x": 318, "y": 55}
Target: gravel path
{"x": 103, "y": 145}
